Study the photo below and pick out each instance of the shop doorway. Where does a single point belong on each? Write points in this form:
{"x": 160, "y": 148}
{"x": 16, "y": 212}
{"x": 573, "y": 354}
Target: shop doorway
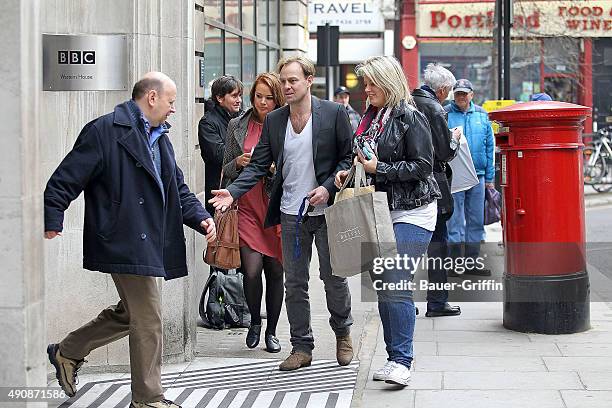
{"x": 602, "y": 82}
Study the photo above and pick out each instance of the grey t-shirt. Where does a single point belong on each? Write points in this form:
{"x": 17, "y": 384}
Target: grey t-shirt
{"x": 298, "y": 170}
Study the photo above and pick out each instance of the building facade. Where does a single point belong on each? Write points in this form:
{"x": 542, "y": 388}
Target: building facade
{"x": 562, "y": 48}
{"x": 366, "y": 29}
{"x": 193, "y": 41}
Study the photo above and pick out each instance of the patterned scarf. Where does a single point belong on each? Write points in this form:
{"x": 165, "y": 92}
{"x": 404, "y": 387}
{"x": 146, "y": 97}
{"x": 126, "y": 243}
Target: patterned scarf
{"x": 372, "y": 125}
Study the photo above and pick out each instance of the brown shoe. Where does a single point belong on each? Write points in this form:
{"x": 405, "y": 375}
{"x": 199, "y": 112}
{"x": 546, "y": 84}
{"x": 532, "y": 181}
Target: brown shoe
{"x": 344, "y": 350}
{"x": 297, "y": 359}
{"x": 65, "y": 369}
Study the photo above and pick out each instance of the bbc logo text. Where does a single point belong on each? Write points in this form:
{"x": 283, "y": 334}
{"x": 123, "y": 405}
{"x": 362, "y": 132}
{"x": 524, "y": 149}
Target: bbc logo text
{"x": 76, "y": 57}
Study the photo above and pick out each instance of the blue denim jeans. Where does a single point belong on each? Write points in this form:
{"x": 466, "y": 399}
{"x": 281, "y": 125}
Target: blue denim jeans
{"x": 467, "y": 223}
{"x": 396, "y": 307}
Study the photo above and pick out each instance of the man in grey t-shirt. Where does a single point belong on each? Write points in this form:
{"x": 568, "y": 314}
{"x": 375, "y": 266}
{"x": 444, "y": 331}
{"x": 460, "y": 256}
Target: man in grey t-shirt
{"x": 309, "y": 141}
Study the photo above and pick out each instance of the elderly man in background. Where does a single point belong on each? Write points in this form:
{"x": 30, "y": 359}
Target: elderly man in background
{"x": 467, "y": 223}
{"x": 428, "y": 98}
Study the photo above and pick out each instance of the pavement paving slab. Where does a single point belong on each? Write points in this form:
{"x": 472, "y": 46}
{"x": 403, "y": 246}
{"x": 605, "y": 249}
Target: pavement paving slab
{"x": 488, "y": 399}
{"x": 467, "y": 361}
{"x": 587, "y": 399}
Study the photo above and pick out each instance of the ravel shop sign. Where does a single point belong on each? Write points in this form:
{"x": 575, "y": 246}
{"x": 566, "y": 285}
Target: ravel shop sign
{"x": 531, "y": 18}
{"x": 85, "y": 62}
{"x": 363, "y": 16}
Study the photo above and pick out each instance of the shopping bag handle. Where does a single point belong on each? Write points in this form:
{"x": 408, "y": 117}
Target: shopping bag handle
{"x": 360, "y": 177}
{"x": 357, "y": 173}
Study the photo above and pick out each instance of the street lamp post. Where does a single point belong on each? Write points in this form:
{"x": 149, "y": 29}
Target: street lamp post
{"x": 507, "y": 18}
{"x": 499, "y": 18}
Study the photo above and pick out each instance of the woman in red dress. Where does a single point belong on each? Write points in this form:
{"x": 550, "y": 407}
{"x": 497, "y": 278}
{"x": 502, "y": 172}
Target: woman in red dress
{"x": 260, "y": 249}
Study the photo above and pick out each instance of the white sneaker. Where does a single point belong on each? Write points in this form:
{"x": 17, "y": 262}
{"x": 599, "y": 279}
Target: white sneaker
{"x": 400, "y": 375}
{"x": 382, "y": 373}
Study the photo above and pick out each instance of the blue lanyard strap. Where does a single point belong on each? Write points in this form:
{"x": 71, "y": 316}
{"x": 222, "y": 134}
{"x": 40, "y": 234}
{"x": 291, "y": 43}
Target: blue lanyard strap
{"x": 301, "y": 218}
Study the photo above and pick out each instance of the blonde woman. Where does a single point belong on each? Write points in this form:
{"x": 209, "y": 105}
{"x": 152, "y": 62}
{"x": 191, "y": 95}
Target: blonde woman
{"x": 394, "y": 144}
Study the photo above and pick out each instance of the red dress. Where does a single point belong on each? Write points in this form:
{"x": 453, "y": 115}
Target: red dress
{"x": 252, "y": 208}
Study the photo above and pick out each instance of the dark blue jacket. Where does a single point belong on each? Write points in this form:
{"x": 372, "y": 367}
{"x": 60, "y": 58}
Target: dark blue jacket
{"x": 479, "y": 135}
{"x": 131, "y": 225}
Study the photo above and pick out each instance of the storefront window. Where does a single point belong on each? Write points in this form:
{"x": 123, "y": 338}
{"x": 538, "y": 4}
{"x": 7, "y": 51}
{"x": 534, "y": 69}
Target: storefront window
{"x": 236, "y": 40}
{"x": 232, "y": 55}
{"x": 561, "y": 55}
{"x": 262, "y": 58}
{"x": 273, "y": 21}
{"x": 474, "y": 60}
{"x": 248, "y": 16}
{"x": 213, "y": 62}
{"x": 602, "y": 83}
{"x": 273, "y": 58}
{"x": 248, "y": 68}
{"x": 525, "y": 69}
{"x": 471, "y": 60}
{"x": 562, "y": 88}
{"x": 262, "y": 19}
{"x": 232, "y": 13}
{"x": 214, "y": 9}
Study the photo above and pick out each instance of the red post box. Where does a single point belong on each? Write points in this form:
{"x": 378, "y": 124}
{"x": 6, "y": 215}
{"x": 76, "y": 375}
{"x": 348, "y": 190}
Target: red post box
{"x": 546, "y": 285}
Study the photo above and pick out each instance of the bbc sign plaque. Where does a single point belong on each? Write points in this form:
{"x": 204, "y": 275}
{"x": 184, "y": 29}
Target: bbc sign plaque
{"x": 85, "y": 62}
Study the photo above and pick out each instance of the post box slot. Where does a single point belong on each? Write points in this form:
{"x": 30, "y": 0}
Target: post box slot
{"x": 504, "y": 139}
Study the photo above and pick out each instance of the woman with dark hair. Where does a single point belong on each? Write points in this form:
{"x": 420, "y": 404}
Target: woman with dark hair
{"x": 259, "y": 248}
{"x": 224, "y": 104}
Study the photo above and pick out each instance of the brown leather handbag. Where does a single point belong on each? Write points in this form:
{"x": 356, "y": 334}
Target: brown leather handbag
{"x": 224, "y": 251}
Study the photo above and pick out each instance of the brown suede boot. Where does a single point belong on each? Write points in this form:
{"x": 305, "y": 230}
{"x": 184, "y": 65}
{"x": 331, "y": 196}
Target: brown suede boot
{"x": 344, "y": 350}
{"x": 297, "y": 359}
{"x": 65, "y": 369}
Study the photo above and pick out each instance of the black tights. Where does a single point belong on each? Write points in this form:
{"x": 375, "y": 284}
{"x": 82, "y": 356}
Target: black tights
{"x": 252, "y": 262}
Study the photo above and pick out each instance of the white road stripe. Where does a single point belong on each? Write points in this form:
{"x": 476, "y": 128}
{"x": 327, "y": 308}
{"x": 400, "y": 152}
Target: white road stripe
{"x": 117, "y": 396}
{"x": 230, "y": 386}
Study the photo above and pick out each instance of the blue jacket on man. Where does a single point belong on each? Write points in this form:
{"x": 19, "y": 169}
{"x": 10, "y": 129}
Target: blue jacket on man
{"x": 479, "y": 135}
{"x": 133, "y": 220}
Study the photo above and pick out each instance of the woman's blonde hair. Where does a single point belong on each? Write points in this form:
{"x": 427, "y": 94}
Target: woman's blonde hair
{"x": 386, "y": 73}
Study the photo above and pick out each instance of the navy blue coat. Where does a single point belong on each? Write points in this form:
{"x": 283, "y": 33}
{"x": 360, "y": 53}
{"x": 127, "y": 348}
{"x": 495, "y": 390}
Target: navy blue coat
{"x": 130, "y": 225}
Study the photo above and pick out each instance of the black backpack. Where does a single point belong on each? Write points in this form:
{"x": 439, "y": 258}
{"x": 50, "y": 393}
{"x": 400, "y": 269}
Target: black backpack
{"x": 225, "y": 306}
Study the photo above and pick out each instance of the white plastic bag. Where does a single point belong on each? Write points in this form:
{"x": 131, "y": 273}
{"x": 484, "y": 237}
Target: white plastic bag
{"x": 464, "y": 173}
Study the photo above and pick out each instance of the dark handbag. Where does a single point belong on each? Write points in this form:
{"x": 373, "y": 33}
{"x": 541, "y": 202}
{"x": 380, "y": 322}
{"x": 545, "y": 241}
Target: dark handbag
{"x": 269, "y": 182}
{"x": 224, "y": 251}
{"x": 225, "y": 306}
{"x": 492, "y": 207}
{"x": 446, "y": 204}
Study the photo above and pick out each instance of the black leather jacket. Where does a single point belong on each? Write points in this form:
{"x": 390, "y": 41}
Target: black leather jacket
{"x": 405, "y": 160}
{"x": 444, "y": 149}
{"x": 440, "y": 133}
{"x": 211, "y": 136}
